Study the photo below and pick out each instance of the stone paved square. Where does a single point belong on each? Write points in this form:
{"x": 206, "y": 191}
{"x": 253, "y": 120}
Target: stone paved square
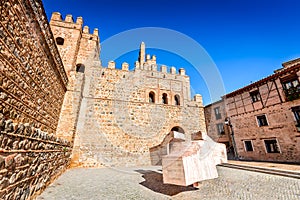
{"x": 146, "y": 183}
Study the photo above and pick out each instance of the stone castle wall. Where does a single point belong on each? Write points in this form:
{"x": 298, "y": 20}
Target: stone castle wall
{"x": 32, "y": 88}
{"x": 107, "y": 111}
{"x": 33, "y": 81}
{"x": 29, "y": 160}
{"x": 117, "y": 123}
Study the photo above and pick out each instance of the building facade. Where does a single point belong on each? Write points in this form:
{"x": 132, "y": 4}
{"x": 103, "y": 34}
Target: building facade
{"x": 215, "y": 115}
{"x": 265, "y": 117}
{"x": 117, "y": 116}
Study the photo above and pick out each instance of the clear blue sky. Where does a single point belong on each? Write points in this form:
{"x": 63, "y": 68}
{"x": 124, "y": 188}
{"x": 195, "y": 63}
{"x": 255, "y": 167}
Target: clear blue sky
{"x": 247, "y": 39}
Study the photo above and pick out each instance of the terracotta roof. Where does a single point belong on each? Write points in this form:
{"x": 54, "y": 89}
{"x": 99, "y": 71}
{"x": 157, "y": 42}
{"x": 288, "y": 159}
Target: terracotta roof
{"x": 290, "y": 66}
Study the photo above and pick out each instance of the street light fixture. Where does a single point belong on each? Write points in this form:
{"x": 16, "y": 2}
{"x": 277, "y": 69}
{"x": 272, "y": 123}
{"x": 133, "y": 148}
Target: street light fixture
{"x": 228, "y": 123}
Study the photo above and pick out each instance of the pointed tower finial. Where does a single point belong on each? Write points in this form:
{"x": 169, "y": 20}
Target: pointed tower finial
{"x": 142, "y": 54}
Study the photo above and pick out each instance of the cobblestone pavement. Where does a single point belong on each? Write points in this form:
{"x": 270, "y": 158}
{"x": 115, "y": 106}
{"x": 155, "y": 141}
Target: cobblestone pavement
{"x": 146, "y": 183}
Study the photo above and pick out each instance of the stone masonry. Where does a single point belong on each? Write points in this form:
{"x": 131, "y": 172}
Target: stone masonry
{"x": 33, "y": 83}
{"x": 57, "y": 99}
{"x": 115, "y": 116}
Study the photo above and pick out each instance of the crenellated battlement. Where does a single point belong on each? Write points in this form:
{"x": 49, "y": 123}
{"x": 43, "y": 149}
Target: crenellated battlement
{"x": 68, "y": 22}
{"x": 148, "y": 64}
{"x": 91, "y": 36}
{"x": 154, "y": 68}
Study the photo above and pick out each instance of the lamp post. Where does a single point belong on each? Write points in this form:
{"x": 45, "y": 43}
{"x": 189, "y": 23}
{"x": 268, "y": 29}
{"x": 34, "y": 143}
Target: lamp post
{"x": 228, "y": 123}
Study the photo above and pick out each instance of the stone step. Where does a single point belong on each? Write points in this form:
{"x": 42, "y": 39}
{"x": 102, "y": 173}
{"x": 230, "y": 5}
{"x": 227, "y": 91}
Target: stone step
{"x": 286, "y": 173}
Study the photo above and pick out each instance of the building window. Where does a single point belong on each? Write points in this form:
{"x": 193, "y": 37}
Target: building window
{"x": 151, "y": 97}
{"x": 296, "y": 111}
{"x": 220, "y": 128}
{"x": 165, "y": 98}
{"x": 217, "y": 113}
{"x": 290, "y": 82}
{"x": 80, "y": 68}
{"x": 60, "y": 41}
{"x": 248, "y": 145}
{"x": 255, "y": 96}
{"x": 262, "y": 120}
{"x": 291, "y": 87}
{"x": 177, "y": 100}
{"x": 272, "y": 146}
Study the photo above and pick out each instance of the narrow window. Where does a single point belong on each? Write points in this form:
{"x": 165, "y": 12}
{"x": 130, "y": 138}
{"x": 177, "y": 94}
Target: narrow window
{"x": 248, "y": 145}
{"x": 217, "y": 113}
{"x": 262, "y": 120}
{"x": 151, "y": 97}
{"x": 80, "y": 68}
{"x": 220, "y": 128}
{"x": 296, "y": 112}
{"x": 165, "y": 98}
{"x": 255, "y": 96}
{"x": 272, "y": 146}
{"x": 177, "y": 100}
{"x": 60, "y": 41}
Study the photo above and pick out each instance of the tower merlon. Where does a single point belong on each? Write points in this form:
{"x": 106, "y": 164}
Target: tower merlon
{"x": 172, "y": 70}
{"x": 111, "y": 64}
{"x": 86, "y": 29}
{"x": 69, "y": 18}
{"x": 79, "y": 20}
{"x": 137, "y": 65}
{"x": 125, "y": 66}
{"x": 181, "y": 71}
{"x": 163, "y": 68}
{"x": 56, "y": 16}
{"x": 96, "y": 32}
{"x": 153, "y": 58}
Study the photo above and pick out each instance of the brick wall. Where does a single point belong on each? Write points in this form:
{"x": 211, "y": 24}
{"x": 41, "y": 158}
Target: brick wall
{"x": 277, "y": 108}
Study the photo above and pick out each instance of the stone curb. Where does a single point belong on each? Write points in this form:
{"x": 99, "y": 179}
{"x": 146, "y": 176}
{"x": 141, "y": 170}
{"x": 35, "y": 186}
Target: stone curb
{"x": 286, "y": 173}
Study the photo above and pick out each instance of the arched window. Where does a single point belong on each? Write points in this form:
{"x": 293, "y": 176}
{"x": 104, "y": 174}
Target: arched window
{"x": 60, "y": 41}
{"x": 80, "y": 68}
{"x": 178, "y": 129}
{"x": 151, "y": 97}
{"x": 165, "y": 98}
{"x": 177, "y": 100}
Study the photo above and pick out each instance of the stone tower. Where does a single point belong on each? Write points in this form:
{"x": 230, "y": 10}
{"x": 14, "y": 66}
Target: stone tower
{"x": 142, "y": 54}
{"x": 76, "y": 45}
{"x": 79, "y": 50}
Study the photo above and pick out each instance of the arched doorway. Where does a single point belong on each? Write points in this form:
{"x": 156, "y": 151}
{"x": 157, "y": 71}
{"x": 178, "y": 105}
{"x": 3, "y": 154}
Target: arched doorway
{"x": 178, "y": 129}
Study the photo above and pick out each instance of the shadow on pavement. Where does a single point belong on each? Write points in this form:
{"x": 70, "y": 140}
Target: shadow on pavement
{"x": 154, "y": 182}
